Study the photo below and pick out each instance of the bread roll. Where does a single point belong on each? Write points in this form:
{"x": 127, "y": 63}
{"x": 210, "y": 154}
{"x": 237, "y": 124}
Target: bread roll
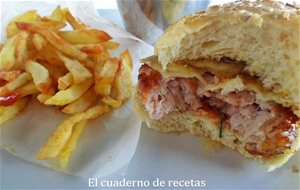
{"x": 264, "y": 34}
{"x": 230, "y": 73}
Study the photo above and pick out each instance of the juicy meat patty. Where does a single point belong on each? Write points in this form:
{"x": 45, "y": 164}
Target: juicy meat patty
{"x": 267, "y": 128}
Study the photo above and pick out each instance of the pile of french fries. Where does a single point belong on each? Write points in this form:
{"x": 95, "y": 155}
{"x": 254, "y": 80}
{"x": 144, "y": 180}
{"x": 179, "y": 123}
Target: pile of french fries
{"x": 72, "y": 70}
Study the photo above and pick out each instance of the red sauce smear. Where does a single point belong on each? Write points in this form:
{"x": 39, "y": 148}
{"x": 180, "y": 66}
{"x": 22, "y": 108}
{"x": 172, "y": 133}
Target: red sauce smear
{"x": 8, "y": 100}
{"x": 148, "y": 79}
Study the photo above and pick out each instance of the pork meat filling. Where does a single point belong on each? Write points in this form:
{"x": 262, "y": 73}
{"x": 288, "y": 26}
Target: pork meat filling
{"x": 266, "y": 127}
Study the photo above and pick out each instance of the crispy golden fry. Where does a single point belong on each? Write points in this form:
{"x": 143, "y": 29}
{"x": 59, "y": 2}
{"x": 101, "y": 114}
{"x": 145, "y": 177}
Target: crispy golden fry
{"x": 56, "y": 20}
{"x": 40, "y": 75}
{"x": 9, "y": 75}
{"x": 45, "y": 96}
{"x": 62, "y": 134}
{"x": 110, "y": 45}
{"x": 14, "y": 52}
{"x": 21, "y": 47}
{"x": 71, "y": 144}
{"x": 79, "y": 72}
{"x": 70, "y": 94}
{"x": 28, "y": 16}
{"x": 76, "y": 25}
{"x": 123, "y": 82}
{"x": 9, "y": 112}
{"x": 85, "y": 36}
{"x": 111, "y": 102}
{"x": 102, "y": 58}
{"x": 82, "y": 103}
{"x": 106, "y": 76}
{"x": 126, "y": 59}
{"x": 7, "y": 54}
{"x": 109, "y": 69}
{"x": 65, "y": 81}
{"x": 98, "y": 68}
{"x": 58, "y": 14}
{"x": 13, "y": 85}
{"x": 27, "y": 89}
{"x": 59, "y": 43}
{"x": 90, "y": 48}
{"x": 102, "y": 88}
{"x": 39, "y": 41}
{"x": 50, "y": 24}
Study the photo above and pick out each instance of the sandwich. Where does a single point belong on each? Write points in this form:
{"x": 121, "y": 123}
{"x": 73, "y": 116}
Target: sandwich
{"x": 230, "y": 73}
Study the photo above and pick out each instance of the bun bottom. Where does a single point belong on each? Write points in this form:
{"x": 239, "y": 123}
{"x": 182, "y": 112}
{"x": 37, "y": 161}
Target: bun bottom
{"x": 199, "y": 124}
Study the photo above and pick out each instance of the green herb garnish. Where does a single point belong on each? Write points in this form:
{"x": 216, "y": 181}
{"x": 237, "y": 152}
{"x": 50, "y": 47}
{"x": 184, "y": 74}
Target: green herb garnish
{"x": 221, "y": 126}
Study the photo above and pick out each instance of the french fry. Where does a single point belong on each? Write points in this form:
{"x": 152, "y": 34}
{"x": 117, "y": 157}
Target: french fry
{"x": 109, "y": 69}
{"x": 111, "y": 102}
{"x": 56, "y": 20}
{"x": 79, "y": 72}
{"x": 82, "y": 103}
{"x": 98, "y": 68}
{"x": 106, "y": 76}
{"x": 9, "y": 112}
{"x": 45, "y": 96}
{"x": 64, "y": 155}
{"x": 58, "y": 14}
{"x": 123, "y": 83}
{"x": 26, "y": 90}
{"x": 28, "y": 16}
{"x": 19, "y": 93}
{"x": 13, "y": 85}
{"x": 70, "y": 94}
{"x": 7, "y": 54}
{"x": 65, "y": 81}
{"x": 9, "y": 75}
{"x": 85, "y": 36}
{"x": 40, "y": 75}
{"x": 99, "y": 59}
{"x": 50, "y": 24}
{"x": 14, "y": 52}
{"x": 76, "y": 25}
{"x": 39, "y": 41}
{"x": 59, "y": 43}
{"x": 21, "y": 47}
{"x": 62, "y": 134}
{"x": 102, "y": 88}
{"x": 126, "y": 59}
{"x": 90, "y": 48}
{"x": 110, "y": 45}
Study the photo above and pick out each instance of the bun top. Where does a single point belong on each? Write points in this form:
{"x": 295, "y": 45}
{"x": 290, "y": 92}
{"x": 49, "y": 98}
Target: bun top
{"x": 263, "y": 34}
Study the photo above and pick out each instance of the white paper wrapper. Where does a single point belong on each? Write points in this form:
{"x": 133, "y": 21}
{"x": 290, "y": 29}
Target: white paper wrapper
{"x": 107, "y": 143}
